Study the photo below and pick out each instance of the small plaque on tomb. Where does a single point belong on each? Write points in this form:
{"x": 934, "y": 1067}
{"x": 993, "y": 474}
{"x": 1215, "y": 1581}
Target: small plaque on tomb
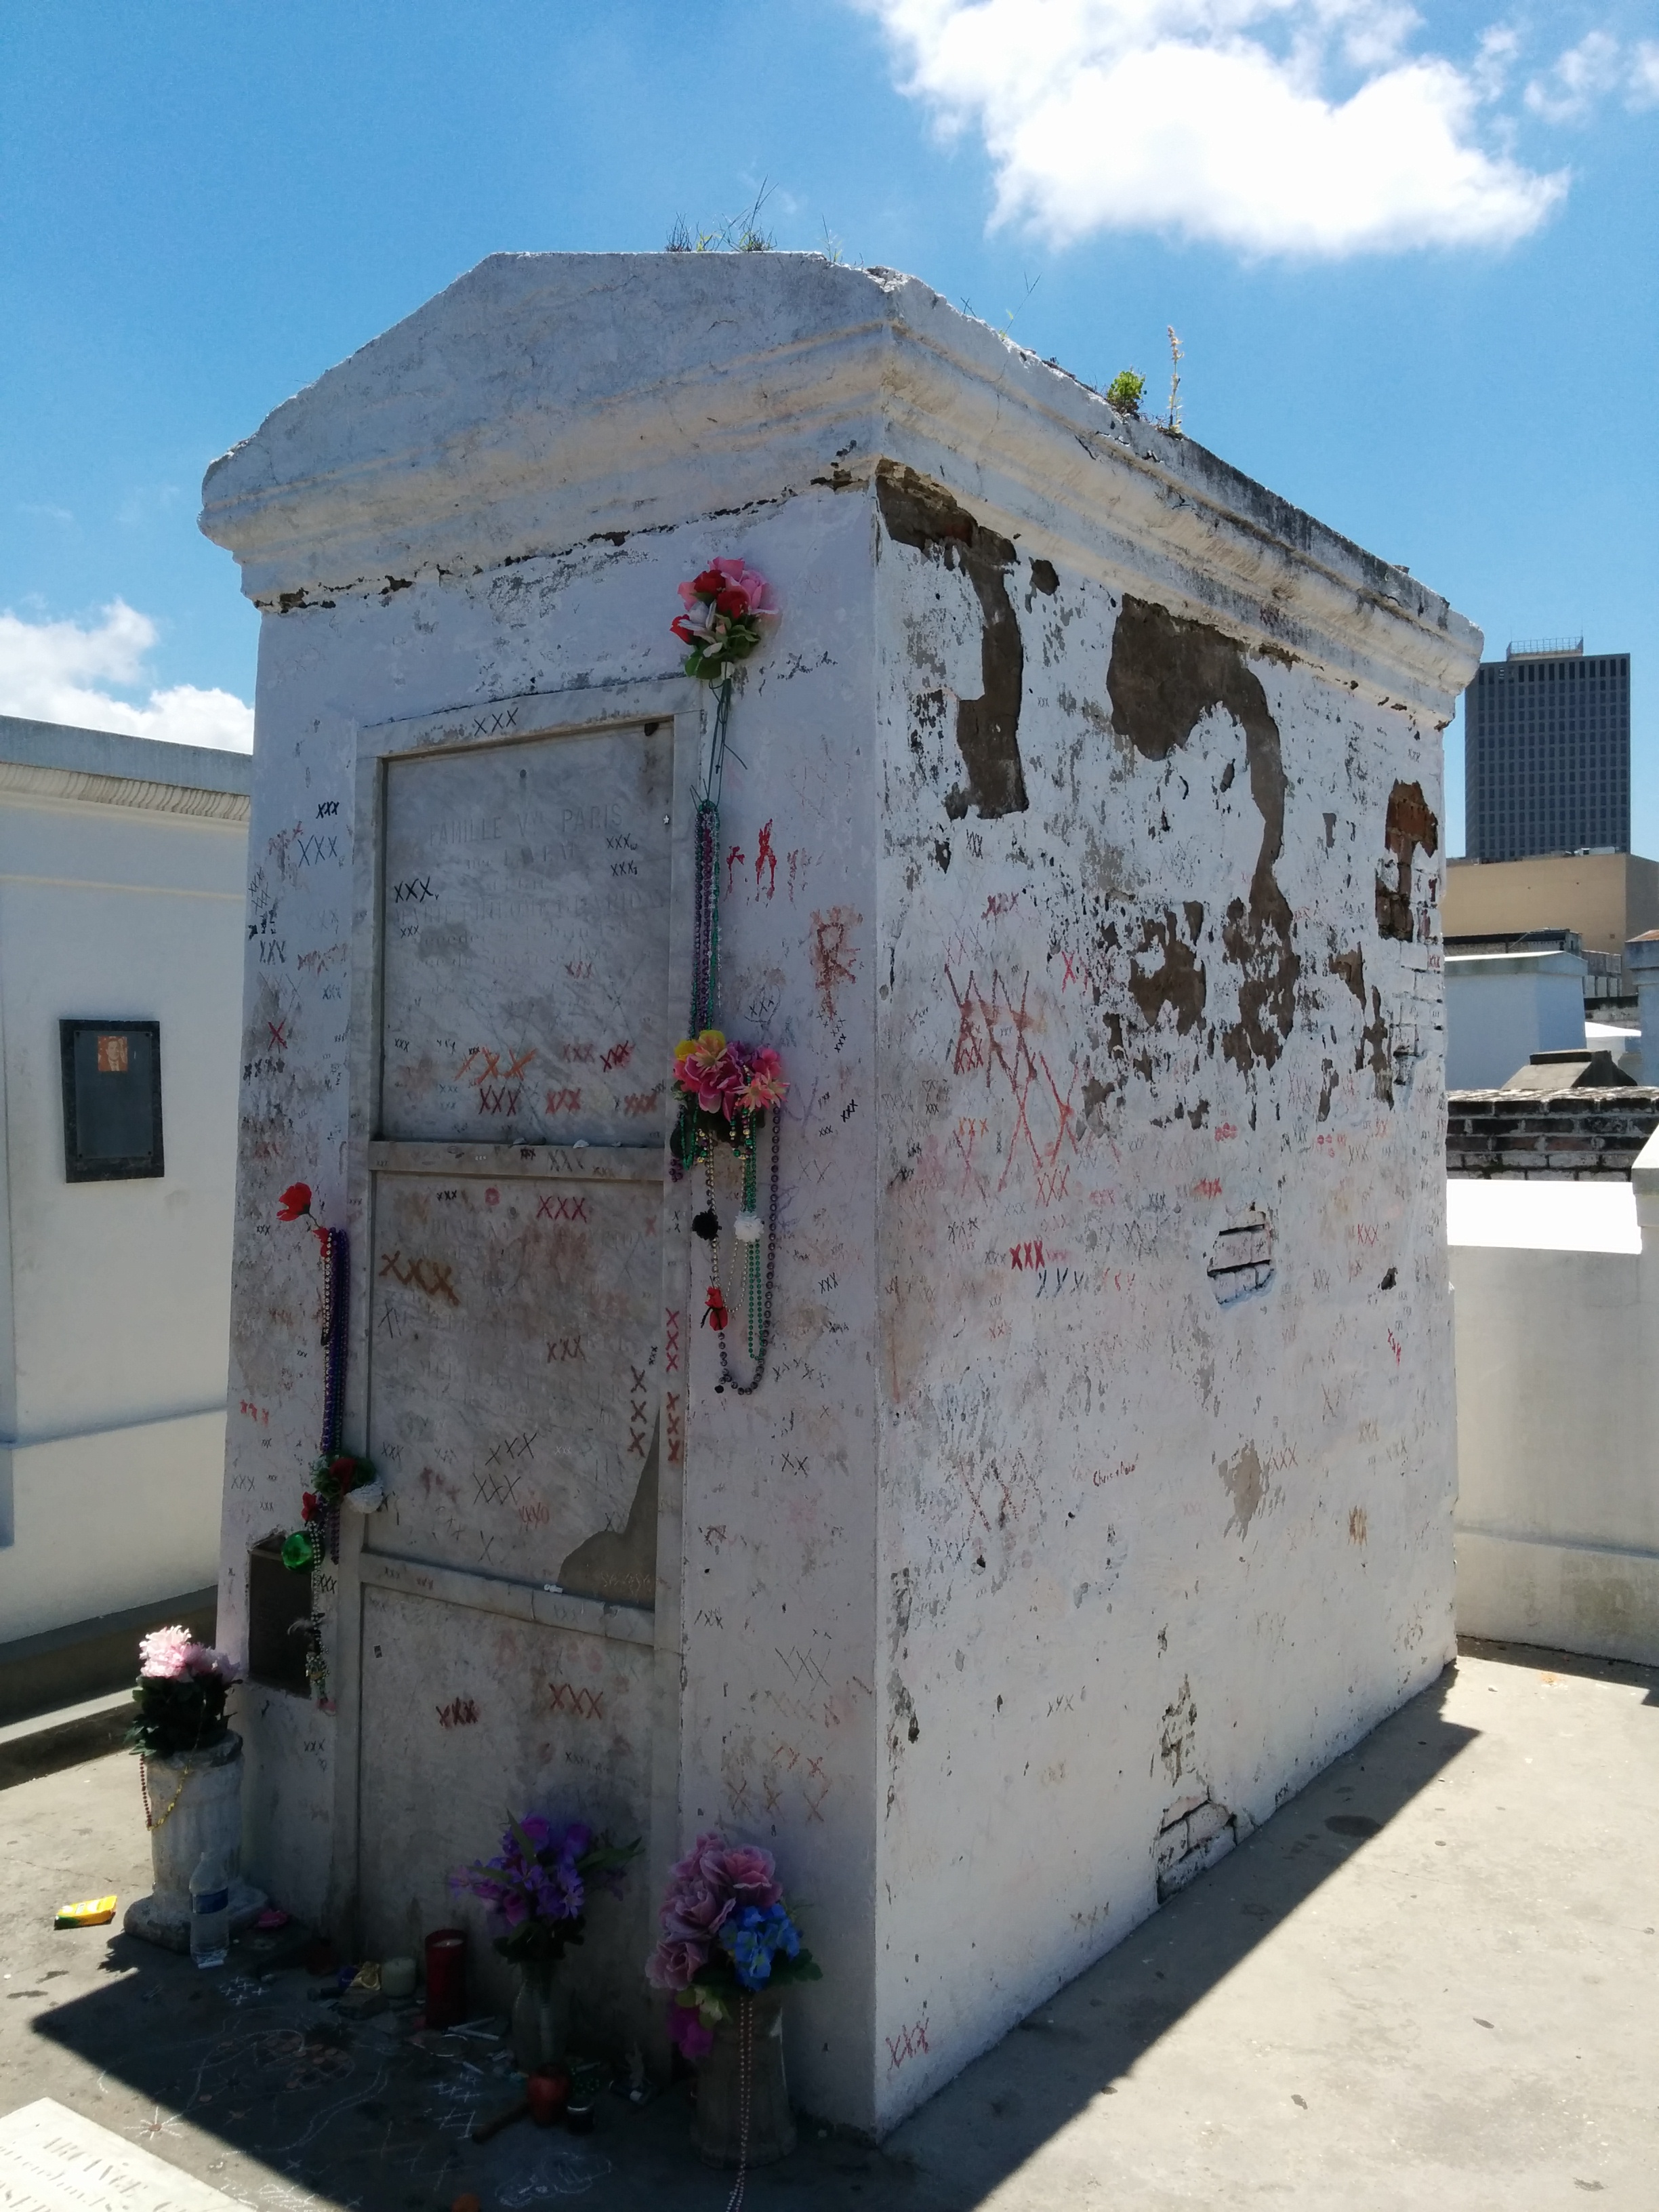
{"x": 52, "y": 2160}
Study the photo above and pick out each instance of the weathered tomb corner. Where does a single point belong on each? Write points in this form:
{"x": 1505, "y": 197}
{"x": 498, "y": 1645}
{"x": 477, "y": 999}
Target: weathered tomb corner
{"x": 922, "y": 514}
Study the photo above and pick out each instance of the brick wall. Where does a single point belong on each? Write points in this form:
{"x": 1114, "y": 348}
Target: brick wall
{"x": 1565, "y": 1135}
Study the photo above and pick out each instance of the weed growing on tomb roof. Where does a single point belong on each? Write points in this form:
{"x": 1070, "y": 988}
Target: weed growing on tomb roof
{"x": 1125, "y": 390}
{"x": 738, "y": 234}
{"x": 1172, "y": 423}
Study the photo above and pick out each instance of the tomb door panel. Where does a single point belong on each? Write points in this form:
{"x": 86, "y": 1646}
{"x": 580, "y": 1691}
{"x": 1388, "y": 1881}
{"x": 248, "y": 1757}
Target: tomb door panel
{"x": 514, "y": 1372}
{"x": 525, "y": 941}
{"x": 469, "y": 1716}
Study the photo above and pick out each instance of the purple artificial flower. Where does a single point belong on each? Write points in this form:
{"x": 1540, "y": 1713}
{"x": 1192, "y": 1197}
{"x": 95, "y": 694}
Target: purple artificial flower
{"x": 686, "y": 2025}
{"x": 535, "y": 1875}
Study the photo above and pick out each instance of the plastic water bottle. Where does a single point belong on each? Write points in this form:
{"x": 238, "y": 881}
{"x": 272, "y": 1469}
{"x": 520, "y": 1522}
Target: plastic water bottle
{"x": 209, "y": 1911}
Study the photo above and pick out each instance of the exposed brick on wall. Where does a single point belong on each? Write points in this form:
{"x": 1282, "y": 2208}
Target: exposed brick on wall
{"x": 1565, "y": 1137}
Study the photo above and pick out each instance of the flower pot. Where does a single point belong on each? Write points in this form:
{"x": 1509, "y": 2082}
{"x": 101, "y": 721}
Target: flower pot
{"x": 750, "y": 2041}
{"x": 195, "y": 1806}
{"x": 541, "y": 2019}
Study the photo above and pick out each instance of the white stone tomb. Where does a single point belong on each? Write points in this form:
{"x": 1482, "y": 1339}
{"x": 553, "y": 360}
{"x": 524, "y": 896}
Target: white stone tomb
{"x": 1082, "y": 858}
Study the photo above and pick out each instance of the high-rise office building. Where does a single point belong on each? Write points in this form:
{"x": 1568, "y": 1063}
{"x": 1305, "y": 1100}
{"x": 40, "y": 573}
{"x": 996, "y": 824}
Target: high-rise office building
{"x": 1546, "y": 752}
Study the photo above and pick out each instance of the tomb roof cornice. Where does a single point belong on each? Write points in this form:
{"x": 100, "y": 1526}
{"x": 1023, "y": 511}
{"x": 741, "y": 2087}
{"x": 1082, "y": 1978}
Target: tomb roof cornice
{"x": 547, "y": 399}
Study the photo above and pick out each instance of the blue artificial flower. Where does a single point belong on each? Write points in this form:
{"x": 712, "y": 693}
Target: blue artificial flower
{"x": 753, "y": 1938}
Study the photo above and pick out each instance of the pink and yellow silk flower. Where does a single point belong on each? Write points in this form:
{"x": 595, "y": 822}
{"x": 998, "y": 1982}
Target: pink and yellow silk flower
{"x": 765, "y": 1082}
{"x": 705, "y": 1070}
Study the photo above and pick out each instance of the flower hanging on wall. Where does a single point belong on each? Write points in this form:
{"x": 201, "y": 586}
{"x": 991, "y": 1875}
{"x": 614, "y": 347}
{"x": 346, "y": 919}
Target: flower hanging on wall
{"x": 726, "y": 1082}
{"x": 725, "y": 607}
{"x": 724, "y": 1091}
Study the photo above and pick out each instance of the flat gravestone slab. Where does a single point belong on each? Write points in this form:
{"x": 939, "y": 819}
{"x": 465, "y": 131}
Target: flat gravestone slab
{"x": 52, "y": 2160}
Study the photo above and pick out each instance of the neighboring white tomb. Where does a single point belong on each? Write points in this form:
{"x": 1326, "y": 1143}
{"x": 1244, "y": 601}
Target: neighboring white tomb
{"x": 1502, "y": 1008}
{"x": 1558, "y": 1515}
{"x": 123, "y": 875}
{"x": 1081, "y": 855}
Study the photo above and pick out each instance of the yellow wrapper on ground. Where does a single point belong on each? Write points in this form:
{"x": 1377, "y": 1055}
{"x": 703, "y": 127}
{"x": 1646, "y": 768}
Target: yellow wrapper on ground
{"x": 91, "y": 1912}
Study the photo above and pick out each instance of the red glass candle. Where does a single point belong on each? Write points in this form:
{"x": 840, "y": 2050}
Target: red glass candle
{"x": 446, "y": 1977}
{"x": 548, "y": 2092}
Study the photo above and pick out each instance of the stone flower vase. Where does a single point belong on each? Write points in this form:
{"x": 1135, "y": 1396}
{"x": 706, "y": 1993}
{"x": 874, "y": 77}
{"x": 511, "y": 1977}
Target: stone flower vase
{"x": 195, "y": 1806}
{"x": 750, "y": 2041}
{"x": 541, "y": 2016}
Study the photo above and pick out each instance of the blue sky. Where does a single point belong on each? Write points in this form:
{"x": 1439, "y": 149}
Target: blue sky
{"x": 1411, "y": 256}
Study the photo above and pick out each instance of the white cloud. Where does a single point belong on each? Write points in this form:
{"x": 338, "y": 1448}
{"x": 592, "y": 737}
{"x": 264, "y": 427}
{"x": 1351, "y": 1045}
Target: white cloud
{"x": 53, "y": 671}
{"x": 1274, "y": 126}
{"x": 1583, "y": 76}
{"x": 1644, "y": 73}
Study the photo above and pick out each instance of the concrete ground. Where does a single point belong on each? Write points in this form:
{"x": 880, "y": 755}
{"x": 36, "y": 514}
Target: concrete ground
{"x": 1429, "y": 1981}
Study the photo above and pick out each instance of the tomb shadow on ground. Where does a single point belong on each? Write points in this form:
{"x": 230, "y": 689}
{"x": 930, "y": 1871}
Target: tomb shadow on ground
{"x": 360, "y": 2116}
{"x": 1544, "y": 1658}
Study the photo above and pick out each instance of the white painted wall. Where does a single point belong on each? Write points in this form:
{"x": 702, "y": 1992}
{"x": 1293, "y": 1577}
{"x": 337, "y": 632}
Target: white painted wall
{"x": 1556, "y": 1297}
{"x": 1502, "y": 1008}
{"x": 1033, "y": 1551}
{"x": 117, "y": 901}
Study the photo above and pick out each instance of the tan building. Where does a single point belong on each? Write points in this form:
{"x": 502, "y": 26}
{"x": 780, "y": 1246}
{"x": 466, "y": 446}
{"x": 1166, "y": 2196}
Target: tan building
{"x": 1608, "y": 897}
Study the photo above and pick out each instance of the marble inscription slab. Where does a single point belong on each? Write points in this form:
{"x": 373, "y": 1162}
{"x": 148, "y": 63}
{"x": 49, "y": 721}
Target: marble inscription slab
{"x": 525, "y": 940}
{"x": 514, "y": 1364}
{"x": 52, "y": 2160}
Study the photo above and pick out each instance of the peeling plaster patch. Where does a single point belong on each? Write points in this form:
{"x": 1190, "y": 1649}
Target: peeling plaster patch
{"x": 1045, "y": 578}
{"x": 620, "y": 1565}
{"x": 1350, "y": 967}
{"x": 1374, "y": 1040}
{"x": 1358, "y": 1525}
{"x": 1177, "y": 1740}
{"x": 1179, "y": 983}
{"x": 924, "y": 515}
{"x": 1411, "y": 823}
{"x": 902, "y": 1728}
{"x": 1166, "y": 674}
{"x": 1244, "y": 1482}
{"x": 1192, "y": 1838}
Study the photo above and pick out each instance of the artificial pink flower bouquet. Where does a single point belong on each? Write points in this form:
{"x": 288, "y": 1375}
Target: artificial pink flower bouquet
{"x": 726, "y": 1934}
{"x": 180, "y": 1695}
{"x": 725, "y": 607}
